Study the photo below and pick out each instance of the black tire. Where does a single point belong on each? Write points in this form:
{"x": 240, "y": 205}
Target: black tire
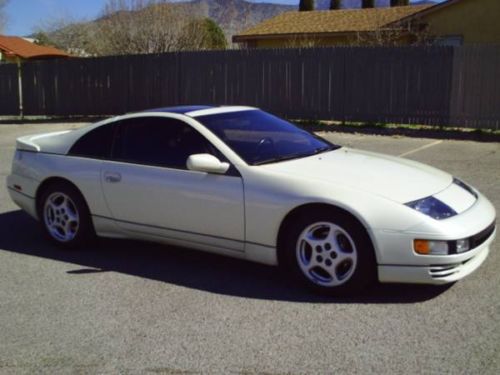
{"x": 353, "y": 274}
{"x": 81, "y": 231}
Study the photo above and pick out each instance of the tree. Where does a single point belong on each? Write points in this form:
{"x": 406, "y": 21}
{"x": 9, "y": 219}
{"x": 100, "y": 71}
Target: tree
{"x": 398, "y": 34}
{"x": 77, "y": 37}
{"x": 42, "y": 39}
{"x": 397, "y": 3}
{"x": 3, "y": 16}
{"x": 135, "y": 27}
{"x": 335, "y": 4}
{"x": 306, "y": 5}
{"x": 203, "y": 34}
{"x": 368, "y": 4}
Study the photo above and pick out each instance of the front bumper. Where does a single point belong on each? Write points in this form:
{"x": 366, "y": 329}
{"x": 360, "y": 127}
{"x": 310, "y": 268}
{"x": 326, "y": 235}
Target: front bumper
{"x": 437, "y": 273}
{"x": 398, "y": 262}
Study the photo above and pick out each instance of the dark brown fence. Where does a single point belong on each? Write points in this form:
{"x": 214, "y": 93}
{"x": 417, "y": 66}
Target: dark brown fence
{"x": 9, "y": 90}
{"x": 456, "y": 86}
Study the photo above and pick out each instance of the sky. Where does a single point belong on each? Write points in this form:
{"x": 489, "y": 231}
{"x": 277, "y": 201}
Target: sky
{"x": 24, "y": 16}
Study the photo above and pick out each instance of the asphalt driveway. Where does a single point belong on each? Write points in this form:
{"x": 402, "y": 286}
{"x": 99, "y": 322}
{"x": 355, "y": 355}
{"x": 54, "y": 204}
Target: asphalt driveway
{"x": 133, "y": 307}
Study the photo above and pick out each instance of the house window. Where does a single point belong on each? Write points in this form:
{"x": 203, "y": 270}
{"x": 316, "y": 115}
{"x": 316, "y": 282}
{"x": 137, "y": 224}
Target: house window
{"x": 449, "y": 40}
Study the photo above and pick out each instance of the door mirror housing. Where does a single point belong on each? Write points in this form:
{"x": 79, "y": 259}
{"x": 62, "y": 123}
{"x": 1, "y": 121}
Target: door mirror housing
{"x": 206, "y": 163}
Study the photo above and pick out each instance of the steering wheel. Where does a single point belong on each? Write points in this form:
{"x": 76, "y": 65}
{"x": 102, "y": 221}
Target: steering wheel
{"x": 265, "y": 142}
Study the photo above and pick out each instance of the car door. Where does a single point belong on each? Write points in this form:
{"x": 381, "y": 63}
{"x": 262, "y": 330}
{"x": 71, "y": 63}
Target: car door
{"x": 149, "y": 189}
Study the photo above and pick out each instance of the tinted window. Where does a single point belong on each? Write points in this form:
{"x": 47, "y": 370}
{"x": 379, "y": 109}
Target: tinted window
{"x": 95, "y": 144}
{"x": 259, "y": 137}
{"x": 158, "y": 141}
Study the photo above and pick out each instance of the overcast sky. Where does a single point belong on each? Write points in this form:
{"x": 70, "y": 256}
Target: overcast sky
{"x": 25, "y": 15}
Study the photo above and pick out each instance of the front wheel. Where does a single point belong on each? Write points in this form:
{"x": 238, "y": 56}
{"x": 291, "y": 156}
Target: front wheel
{"x": 330, "y": 253}
{"x": 64, "y": 216}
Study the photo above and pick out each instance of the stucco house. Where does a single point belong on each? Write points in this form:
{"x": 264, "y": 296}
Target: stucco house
{"x": 452, "y": 22}
{"x": 14, "y": 49}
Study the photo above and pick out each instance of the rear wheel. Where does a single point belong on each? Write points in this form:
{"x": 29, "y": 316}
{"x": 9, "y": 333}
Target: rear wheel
{"x": 64, "y": 215}
{"x": 330, "y": 253}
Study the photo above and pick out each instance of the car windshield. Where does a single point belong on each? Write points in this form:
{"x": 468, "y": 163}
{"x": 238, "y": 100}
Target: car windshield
{"x": 260, "y": 138}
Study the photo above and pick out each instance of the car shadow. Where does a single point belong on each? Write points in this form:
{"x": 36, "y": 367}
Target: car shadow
{"x": 21, "y": 234}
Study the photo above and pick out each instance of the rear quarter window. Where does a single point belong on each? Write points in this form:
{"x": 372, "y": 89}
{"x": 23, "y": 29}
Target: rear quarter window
{"x": 96, "y": 144}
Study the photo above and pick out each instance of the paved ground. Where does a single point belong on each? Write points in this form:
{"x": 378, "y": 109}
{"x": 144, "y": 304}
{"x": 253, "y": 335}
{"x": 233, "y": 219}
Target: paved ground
{"x": 131, "y": 307}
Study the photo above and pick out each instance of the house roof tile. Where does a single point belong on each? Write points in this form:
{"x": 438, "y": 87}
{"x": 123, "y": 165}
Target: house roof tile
{"x": 331, "y": 21}
{"x": 16, "y": 46}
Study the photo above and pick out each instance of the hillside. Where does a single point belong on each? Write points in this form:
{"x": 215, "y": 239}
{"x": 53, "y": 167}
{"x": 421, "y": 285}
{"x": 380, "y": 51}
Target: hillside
{"x": 325, "y": 4}
{"x": 236, "y": 15}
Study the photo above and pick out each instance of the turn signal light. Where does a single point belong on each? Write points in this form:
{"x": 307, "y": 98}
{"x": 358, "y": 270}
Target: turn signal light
{"x": 426, "y": 247}
{"x": 421, "y": 246}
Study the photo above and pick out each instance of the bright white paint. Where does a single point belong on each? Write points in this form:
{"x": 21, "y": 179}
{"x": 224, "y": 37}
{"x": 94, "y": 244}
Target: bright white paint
{"x": 240, "y": 216}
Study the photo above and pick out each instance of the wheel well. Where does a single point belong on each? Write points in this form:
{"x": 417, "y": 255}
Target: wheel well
{"x": 50, "y": 181}
{"x": 306, "y": 209}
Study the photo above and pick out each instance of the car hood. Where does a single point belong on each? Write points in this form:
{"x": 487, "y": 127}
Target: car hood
{"x": 397, "y": 179}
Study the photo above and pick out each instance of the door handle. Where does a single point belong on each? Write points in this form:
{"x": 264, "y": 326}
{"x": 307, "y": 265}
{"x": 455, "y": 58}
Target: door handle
{"x": 112, "y": 177}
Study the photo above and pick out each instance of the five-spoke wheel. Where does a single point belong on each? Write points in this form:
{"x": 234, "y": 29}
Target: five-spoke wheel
{"x": 329, "y": 251}
{"x": 64, "y": 215}
{"x": 61, "y": 216}
{"x": 326, "y": 254}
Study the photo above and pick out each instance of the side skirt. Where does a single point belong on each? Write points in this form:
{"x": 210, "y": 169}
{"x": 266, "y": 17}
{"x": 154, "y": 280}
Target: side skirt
{"x": 106, "y": 227}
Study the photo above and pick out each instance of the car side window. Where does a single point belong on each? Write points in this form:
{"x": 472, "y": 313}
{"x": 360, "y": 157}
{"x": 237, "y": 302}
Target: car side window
{"x": 96, "y": 144}
{"x": 159, "y": 141}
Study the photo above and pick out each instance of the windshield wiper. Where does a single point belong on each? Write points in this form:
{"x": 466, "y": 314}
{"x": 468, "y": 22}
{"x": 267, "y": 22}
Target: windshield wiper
{"x": 319, "y": 150}
{"x": 280, "y": 158}
{"x": 316, "y": 151}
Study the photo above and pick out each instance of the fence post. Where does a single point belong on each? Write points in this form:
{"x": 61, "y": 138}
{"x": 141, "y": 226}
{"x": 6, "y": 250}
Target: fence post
{"x": 20, "y": 83}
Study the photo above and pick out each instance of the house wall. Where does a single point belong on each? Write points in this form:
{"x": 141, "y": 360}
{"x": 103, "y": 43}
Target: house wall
{"x": 330, "y": 41}
{"x": 475, "y": 20}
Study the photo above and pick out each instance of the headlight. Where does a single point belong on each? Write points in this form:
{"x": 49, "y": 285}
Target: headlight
{"x": 432, "y": 207}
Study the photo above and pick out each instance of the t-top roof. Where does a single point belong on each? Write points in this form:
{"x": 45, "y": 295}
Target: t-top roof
{"x": 200, "y": 110}
{"x": 181, "y": 109}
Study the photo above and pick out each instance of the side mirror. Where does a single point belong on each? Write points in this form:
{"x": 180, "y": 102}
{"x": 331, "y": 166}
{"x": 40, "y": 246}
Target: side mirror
{"x": 206, "y": 163}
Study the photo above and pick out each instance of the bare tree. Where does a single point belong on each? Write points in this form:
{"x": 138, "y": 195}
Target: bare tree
{"x": 406, "y": 33}
{"x": 3, "y": 16}
{"x": 151, "y": 26}
{"x": 78, "y": 37}
{"x": 135, "y": 27}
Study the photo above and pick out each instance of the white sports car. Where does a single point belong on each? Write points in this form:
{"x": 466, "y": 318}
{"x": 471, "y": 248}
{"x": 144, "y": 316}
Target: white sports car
{"x": 240, "y": 182}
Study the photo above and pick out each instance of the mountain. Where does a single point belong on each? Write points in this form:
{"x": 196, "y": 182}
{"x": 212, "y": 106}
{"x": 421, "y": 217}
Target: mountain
{"x": 234, "y": 16}
{"x": 325, "y": 4}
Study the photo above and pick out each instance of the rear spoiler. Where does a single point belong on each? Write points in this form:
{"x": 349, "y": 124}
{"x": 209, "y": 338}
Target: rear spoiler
{"x": 29, "y": 142}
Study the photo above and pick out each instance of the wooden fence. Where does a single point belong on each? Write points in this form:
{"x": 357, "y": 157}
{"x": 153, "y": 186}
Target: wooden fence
{"x": 446, "y": 86}
{"x": 9, "y": 90}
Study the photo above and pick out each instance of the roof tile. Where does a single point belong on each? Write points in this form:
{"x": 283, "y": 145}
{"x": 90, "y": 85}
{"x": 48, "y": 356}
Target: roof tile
{"x": 16, "y": 46}
{"x": 332, "y": 21}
